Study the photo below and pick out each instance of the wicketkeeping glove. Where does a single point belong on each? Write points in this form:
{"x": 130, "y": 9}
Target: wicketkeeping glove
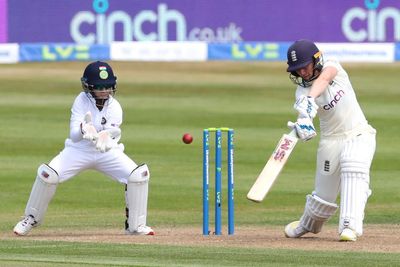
{"x": 304, "y": 128}
{"x": 105, "y": 140}
{"x": 87, "y": 128}
{"x": 306, "y": 107}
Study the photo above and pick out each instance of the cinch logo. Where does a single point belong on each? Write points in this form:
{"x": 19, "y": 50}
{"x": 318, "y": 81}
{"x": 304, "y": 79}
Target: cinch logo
{"x": 370, "y": 24}
{"x": 87, "y": 27}
{"x": 335, "y": 100}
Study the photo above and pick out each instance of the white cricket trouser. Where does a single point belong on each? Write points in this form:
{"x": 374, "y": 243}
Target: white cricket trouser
{"x": 343, "y": 165}
{"x": 330, "y": 156}
{"x": 114, "y": 163}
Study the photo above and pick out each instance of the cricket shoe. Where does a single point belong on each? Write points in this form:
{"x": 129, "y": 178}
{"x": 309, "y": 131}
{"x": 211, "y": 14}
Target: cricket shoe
{"x": 25, "y": 225}
{"x": 294, "y": 230}
{"x": 142, "y": 230}
{"x": 348, "y": 235}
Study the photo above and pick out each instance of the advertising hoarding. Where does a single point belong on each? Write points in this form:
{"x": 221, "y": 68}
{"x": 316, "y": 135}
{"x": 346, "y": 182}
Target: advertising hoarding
{"x": 222, "y": 21}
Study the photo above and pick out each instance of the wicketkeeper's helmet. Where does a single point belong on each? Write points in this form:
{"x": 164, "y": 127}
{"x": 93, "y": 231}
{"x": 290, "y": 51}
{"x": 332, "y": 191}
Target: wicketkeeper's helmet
{"x": 300, "y": 54}
{"x": 98, "y": 76}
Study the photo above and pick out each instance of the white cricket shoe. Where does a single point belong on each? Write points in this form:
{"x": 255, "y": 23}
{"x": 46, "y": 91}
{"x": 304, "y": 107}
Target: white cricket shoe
{"x": 293, "y": 230}
{"x": 348, "y": 235}
{"x": 25, "y": 225}
{"x": 142, "y": 230}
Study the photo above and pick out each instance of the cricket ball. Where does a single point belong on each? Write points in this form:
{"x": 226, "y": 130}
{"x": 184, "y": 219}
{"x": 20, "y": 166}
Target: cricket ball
{"x": 187, "y": 138}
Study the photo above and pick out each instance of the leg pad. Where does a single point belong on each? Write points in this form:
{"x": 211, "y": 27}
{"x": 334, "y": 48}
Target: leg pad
{"x": 354, "y": 195}
{"x": 42, "y": 192}
{"x": 136, "y": 197}
{"x": 316, "y": 212}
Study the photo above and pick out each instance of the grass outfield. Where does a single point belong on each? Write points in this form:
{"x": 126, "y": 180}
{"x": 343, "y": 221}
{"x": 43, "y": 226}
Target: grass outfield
{"x": 161, "y": 101}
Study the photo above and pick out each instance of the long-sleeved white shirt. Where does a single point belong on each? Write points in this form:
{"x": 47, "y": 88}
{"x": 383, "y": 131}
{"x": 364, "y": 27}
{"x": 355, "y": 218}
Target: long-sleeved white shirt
{"x": 338, "y": 109}
{"x": 110, "y": 116}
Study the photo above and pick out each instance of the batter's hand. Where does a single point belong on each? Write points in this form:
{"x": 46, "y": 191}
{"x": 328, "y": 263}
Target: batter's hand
{"x": 106, "y": 138}
{"x": 304, "y": 128}
{"x": 306, "y": 107}
{"x": 87, "y": 128}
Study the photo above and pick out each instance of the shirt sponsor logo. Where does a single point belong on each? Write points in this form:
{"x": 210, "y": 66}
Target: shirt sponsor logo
{"x": 334, "y": 101}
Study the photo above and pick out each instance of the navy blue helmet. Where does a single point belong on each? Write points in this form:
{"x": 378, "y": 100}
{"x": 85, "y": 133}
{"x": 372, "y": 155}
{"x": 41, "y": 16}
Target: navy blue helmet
{"x": 300, "y": 54}
{"x": 98, "y": 76}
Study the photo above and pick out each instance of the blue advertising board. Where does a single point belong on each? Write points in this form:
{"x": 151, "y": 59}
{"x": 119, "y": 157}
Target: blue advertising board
{"x": 63, "y": 52}
{"x": 248, "y": 51}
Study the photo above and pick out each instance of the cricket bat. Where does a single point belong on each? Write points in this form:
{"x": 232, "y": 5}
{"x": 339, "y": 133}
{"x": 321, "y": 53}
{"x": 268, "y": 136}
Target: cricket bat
{"x": 273, "y": 167}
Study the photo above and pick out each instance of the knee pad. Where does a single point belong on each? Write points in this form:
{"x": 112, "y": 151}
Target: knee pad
{"x": 355, "y": 166}
{"x": 357, "y": 154}
{"x": 316, "y": 212}
{"x": 140, "y": 174}
{"x": 47, "y": 174}
{"x": 42, "y": 192}
{"x": 136, "y": 197}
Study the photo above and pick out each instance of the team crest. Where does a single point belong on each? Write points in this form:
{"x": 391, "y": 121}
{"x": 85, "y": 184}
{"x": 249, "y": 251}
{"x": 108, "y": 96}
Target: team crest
{"x": 103, "y": 72}
{"x": 293, "y": 55}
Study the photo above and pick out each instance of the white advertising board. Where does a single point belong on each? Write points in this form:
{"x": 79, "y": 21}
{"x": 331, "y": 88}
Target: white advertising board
{"x": 158, "y": 51}
{"x": 359, "y": 52}
{"x": 9, "y": 53}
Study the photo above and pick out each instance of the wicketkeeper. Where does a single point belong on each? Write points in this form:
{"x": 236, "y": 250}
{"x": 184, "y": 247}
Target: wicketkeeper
{"x": 96, "y": 117}
{"x": 346, "y": 147}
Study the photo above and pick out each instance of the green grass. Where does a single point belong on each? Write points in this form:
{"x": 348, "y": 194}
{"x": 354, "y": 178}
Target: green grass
{"x": 161, "y": 101}
{"x": 76, "y": 254}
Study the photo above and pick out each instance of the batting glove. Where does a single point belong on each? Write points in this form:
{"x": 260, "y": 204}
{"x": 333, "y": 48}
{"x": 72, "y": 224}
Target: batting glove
{"x": 304, "y": 128}
{"x": 87, "y": 128}
{"x": 306, "y": 107}
{"x": 105, "y": 140}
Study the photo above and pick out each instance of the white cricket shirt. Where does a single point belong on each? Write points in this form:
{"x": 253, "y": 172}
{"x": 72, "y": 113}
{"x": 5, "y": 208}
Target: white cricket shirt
{"x": 109, "y": 116}
{"x": 339, "y": 111}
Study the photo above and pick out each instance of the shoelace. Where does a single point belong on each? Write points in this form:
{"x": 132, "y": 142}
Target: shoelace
{"x": 27, "y": 219}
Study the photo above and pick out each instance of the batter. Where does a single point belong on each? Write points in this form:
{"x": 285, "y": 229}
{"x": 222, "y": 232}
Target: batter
{"x": 347, "y": 143}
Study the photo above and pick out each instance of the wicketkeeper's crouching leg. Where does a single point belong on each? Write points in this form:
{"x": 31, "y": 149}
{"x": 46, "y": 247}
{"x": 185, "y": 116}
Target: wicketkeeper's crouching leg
{"x": 42, "y": 192}
{"x": 136, "y": 194}
{"x": 316, "y": 212}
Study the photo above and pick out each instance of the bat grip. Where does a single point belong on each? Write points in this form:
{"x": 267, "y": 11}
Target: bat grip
{"x": 293, "y": 133}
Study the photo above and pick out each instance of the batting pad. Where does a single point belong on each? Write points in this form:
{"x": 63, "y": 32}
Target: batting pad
{"x": 316, "y": 212}
{"x": 354, "y": 195}
{"x": 42, "y": 192}
{"x": 136, "y": 197}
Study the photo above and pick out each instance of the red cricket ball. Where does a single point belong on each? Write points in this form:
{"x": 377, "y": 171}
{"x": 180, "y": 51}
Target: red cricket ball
{"x": 187, "y": 138}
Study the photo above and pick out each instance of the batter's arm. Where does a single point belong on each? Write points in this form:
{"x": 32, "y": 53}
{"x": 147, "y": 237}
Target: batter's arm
{"x": 321, "y": 83}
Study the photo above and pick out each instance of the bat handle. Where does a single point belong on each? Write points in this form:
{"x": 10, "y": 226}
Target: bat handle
{"x": 293, "y": 133}
{"x": 291, "y": 126}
